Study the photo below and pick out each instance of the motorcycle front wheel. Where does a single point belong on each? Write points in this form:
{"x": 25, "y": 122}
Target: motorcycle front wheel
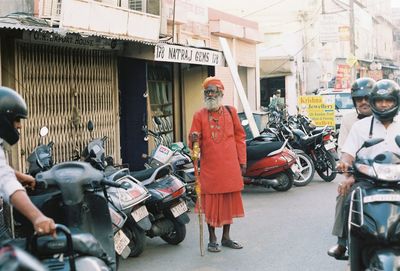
{"x": 177, "y": 235}
{"x": 326, "y": 166}
{"x": 307, "y": 169}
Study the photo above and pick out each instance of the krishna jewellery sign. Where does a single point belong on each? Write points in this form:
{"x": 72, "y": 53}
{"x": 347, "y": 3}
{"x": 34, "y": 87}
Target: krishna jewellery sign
{"x": 181, "y": 54}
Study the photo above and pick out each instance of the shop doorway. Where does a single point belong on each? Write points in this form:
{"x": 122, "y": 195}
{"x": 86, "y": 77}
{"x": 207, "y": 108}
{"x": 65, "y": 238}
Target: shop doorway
{"x": 268, "y": 87}
{"x": 132, "y": 86}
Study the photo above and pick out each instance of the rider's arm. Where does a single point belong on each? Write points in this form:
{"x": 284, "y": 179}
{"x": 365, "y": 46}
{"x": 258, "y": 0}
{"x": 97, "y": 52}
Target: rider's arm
{"x": 8, "y": 181}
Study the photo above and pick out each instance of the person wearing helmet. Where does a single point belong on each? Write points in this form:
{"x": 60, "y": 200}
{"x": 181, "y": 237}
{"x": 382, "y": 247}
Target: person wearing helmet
{"x": 12, "y": 110}
{"x": 384, "y": 123}
{"x": 360, "y": 92}
{"x": 221, "y": 139}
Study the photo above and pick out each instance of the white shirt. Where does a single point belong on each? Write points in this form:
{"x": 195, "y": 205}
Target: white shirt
{"x": 347, "y": 122}
{"x": 359, "y": 133}
{"x": 8, "y": 182}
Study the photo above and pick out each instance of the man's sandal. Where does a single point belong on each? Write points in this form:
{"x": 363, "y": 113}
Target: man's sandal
{"x": 213, "y": 247}
{"x": 231, "y": 244}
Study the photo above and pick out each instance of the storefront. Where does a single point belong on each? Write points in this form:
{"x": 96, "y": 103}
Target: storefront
{"x": 66, "y": 81}
{"x": 160, "y": 87}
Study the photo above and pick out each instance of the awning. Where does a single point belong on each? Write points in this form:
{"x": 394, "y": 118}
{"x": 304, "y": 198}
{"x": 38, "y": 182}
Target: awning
{"x": 273, "y": 67}
{"x": 163, "y": 51}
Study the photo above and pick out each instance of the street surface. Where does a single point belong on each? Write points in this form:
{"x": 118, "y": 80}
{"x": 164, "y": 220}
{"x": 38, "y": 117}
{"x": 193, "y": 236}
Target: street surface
{"x": 282, "y": 231}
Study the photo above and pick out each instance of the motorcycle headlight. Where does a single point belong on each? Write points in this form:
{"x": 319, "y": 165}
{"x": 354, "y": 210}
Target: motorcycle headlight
{"x": 366, "y": 170}
{"x": 387, "y": 172}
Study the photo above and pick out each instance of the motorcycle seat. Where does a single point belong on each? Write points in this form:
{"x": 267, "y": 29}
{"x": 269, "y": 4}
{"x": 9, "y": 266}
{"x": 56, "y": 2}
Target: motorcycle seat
{"x": 144, "y": 174}
{"x": 262, "y": 149}
{"x": 309, "y": 140}
{"x": 83, "y": 243}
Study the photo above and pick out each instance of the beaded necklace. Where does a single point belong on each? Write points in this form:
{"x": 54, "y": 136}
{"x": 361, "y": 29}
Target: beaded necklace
{"x": 216, "y": 121}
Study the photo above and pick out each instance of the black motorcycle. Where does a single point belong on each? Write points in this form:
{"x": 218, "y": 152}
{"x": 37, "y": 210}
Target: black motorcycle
{"x": 374, "y": 220}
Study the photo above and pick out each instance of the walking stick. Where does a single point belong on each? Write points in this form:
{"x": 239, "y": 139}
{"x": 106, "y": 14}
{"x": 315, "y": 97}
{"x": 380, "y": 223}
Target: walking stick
{"x": 195, "y": 158}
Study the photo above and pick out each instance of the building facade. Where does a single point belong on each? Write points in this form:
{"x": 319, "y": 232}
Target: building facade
{"x": 124, "y": 65}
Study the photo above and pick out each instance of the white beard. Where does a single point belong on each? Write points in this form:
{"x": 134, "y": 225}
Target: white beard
{"x": 212, "y": 104}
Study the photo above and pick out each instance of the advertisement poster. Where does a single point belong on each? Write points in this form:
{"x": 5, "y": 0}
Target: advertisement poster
{"x": 321, "y": 109}
{"x": 343, "y": 77}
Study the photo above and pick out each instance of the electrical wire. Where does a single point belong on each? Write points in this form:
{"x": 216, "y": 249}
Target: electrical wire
{"x": 262, "y": 9}
{"x": 301, "y": 49}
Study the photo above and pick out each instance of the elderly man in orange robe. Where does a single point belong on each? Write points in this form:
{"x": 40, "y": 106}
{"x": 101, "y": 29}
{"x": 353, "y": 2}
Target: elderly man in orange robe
{"x": 221, "y": 137}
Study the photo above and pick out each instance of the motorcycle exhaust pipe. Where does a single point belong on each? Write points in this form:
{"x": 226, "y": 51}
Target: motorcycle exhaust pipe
{"x": 162, "y": 227}
{"x": 268, "y": 182}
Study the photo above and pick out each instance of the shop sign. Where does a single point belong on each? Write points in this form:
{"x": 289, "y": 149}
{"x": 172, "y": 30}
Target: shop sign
{"x": 190, "y": 55}
{"x": 71, "y": 40}
{"x": 321, "y": 109}
{"x": 343, "y": 77}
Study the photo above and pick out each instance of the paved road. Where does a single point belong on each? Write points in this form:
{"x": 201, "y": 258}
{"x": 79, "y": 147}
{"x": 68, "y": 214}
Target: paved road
{"x": 282, "y": 231}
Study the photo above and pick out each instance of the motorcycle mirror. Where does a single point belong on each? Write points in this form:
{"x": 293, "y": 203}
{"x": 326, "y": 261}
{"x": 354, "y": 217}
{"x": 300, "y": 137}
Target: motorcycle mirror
{"x": 397, "y": 139}
{"x": 374, "y": 141}
{"x": 245, "y": 122}
{"x": 43, "y": 131}
{"x": 90, "y": 126}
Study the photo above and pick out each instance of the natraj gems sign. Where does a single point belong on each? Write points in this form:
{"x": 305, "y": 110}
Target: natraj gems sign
{"x": 190, "y": 55}
{"x": 321, "y": 109}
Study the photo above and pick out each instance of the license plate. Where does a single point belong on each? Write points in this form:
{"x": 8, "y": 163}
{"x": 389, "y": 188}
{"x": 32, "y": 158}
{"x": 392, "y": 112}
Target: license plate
{"x": 295, "y": 168}
{"x": 330, "y": 146}
{"x": 382, "y": 197}
{"x": 140, "y": 213}
{"x": 120, "y": 241}
{"x": 179, "y": 209}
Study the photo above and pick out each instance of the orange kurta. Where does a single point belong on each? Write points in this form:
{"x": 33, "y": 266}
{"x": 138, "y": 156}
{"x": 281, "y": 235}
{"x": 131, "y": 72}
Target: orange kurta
{"x": 223, "y": 149}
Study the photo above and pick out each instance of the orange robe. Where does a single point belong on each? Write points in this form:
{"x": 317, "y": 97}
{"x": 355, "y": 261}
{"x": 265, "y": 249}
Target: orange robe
{"x": 222, "y": 150}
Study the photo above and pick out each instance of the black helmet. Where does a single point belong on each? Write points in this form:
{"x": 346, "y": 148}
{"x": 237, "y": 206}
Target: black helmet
{"x": 388, "y": 90}
{"x": 362, "y": 87}
{"x": 12, "y": 107}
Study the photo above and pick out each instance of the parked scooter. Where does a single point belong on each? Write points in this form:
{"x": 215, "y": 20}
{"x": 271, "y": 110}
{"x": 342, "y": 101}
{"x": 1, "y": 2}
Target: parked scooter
{"x": 41, "y": 159}
{"x": 374, "y": 218}
{"x": 68, "y": 193}
{"x": 175, "y": 154}
{"x": 127, "y": 207}
{"x": 269, "y": 164}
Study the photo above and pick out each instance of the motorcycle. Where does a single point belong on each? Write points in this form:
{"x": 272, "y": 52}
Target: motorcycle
{"x": 167, "y": 209}
{"x": 68, "y": 193}
{"x": 374, "y": 216}
{"x": 129, "y": 214}
{"x": 269, "y": 163}
{"x": 41, "y": 159}
{"x": 178, "y": 156}
{"x": 305, "y": 164}
{"x": 318, "y": 147}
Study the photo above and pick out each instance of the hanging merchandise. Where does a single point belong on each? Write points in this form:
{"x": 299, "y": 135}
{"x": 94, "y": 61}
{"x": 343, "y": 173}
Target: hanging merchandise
{"x": 159, "y": 85}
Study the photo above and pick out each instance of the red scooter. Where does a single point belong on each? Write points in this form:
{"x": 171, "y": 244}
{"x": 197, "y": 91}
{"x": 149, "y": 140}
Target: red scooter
{"x": 270, "y": 164}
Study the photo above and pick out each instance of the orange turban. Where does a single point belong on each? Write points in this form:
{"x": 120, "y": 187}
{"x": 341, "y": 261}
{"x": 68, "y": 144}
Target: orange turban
{"x": 213, "y": 81}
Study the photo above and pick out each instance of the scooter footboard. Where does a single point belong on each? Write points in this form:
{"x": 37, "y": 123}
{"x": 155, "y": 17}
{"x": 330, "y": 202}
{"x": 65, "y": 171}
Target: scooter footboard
{"x": 385, "y": 259}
